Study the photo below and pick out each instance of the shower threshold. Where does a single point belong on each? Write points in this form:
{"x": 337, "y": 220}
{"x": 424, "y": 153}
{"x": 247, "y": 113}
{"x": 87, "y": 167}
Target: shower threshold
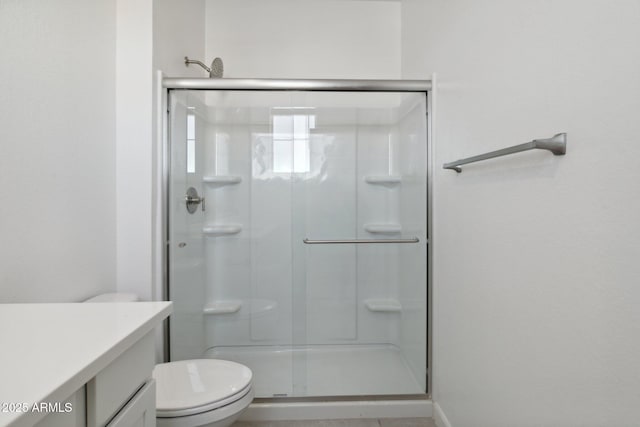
{"x": 324, "y": 370}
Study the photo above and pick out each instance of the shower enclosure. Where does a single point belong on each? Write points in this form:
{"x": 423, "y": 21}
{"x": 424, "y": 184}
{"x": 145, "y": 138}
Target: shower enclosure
{"x": 297, "y": 237}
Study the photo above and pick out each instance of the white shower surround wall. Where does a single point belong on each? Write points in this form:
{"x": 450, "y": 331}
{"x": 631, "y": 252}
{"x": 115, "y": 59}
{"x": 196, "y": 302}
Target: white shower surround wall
{"x": 276, "y": 291}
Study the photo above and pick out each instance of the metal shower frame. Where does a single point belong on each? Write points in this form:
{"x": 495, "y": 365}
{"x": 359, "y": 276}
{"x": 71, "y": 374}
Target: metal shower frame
{"x": 314, "y": 85}
{"x": 330, "y": 85}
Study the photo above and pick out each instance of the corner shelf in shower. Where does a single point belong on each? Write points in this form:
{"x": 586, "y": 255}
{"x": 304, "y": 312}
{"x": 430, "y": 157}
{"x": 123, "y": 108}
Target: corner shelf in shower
{"x": 222, "y": 179}
{"x": 383, "y": 228}
{"x": 383, "y": 305}
{"x": 387, "y": 180}
{"x": 221, "y": 229}
{"x": 222, "y": 307}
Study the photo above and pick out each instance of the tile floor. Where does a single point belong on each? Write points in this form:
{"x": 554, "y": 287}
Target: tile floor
{"x": 382, "y": 422}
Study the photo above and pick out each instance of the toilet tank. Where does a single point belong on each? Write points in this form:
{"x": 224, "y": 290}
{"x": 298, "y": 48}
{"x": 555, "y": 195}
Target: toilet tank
{"x": 114, "y": 297}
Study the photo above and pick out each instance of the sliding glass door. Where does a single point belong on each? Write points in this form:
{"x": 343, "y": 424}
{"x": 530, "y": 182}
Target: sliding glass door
{"x": 303, "y": 253}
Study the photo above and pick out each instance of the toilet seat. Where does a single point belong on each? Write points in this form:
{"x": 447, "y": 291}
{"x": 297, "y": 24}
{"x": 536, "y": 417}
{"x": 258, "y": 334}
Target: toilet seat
{"x": 191, "y": 387}
{"x": 220, "y": 417}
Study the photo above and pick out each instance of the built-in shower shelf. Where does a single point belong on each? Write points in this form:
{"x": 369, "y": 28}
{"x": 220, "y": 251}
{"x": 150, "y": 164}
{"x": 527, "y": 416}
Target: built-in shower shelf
{"x": 222, "y": 307}
{"x": 222, "y": 179}
{"x": 385, "y": 305}
{"x": 252, "y": 307}
{"x": 383, "y": 179}
{"x": 383, "y": 228}
{"x": 222, "y": 229}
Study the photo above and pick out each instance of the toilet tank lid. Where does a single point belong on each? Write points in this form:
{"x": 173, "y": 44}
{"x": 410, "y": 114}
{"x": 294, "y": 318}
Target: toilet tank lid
{"x": 114, "y": 297}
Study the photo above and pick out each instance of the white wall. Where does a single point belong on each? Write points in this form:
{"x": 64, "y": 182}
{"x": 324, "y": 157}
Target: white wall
{"x": 152, "y": 35}
{"x": 178, "y": 31}
{"x": 134, "y": 154}
{"x": 304, "y": 39}
{"x": 57, "y": 151}
{"x": 536, "y": 259}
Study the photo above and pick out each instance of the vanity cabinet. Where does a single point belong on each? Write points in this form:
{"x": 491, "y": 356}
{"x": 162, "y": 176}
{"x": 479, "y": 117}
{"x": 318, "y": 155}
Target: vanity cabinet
{"x": 97, "y": 371}
{"x": 121, "y": 384}
{"x": 121, "y": 395}
{"x": 76, "y": 417}
{"x": 140, "y": 411}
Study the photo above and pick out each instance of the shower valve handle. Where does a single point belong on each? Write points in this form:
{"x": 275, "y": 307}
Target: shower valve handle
{"x": 192, "y": 200}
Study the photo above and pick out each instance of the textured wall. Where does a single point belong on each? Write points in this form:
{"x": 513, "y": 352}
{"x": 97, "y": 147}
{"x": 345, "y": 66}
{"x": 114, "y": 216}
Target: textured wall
{"x": 536, "y": 271}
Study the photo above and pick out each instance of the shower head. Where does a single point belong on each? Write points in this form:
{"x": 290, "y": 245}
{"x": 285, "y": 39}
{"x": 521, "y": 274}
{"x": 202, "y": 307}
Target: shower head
{"x": 215, "y": 71}
{"x": 217, "y": 68}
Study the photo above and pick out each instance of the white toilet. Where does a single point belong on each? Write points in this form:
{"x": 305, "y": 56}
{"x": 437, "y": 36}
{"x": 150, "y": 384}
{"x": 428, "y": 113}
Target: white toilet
{"x": 196, "y": 393}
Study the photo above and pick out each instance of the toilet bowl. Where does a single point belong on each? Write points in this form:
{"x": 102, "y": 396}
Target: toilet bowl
{"x": 196, "y": 393}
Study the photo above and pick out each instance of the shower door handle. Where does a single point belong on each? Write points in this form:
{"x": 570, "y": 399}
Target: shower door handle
{"x": 308, "y": 241}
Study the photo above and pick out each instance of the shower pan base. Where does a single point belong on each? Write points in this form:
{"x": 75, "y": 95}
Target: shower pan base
{"x": 324, "y": 370}
{"x": 283, "y": 409}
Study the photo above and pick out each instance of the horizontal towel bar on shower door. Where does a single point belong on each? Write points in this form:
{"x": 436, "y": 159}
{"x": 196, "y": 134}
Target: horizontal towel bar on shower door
{"x": 557, "y": 144}
{"x": 358, "y": 241}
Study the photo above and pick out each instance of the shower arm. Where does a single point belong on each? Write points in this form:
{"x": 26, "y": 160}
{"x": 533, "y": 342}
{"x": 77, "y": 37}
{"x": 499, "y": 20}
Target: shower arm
{"x": 188, "y": 61}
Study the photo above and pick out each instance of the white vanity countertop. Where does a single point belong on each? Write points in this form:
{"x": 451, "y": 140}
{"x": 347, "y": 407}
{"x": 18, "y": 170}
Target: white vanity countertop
{"x": 48, "y": 351}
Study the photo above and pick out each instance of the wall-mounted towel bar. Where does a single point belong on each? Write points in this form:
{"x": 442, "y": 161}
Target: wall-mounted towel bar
{"x": 358, "y": 241}
{"x": 556, "y": 144}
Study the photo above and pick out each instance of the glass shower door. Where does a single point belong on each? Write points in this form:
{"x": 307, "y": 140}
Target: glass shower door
{"x": 278, "y": 168}
{"x": 359, "y": 239}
